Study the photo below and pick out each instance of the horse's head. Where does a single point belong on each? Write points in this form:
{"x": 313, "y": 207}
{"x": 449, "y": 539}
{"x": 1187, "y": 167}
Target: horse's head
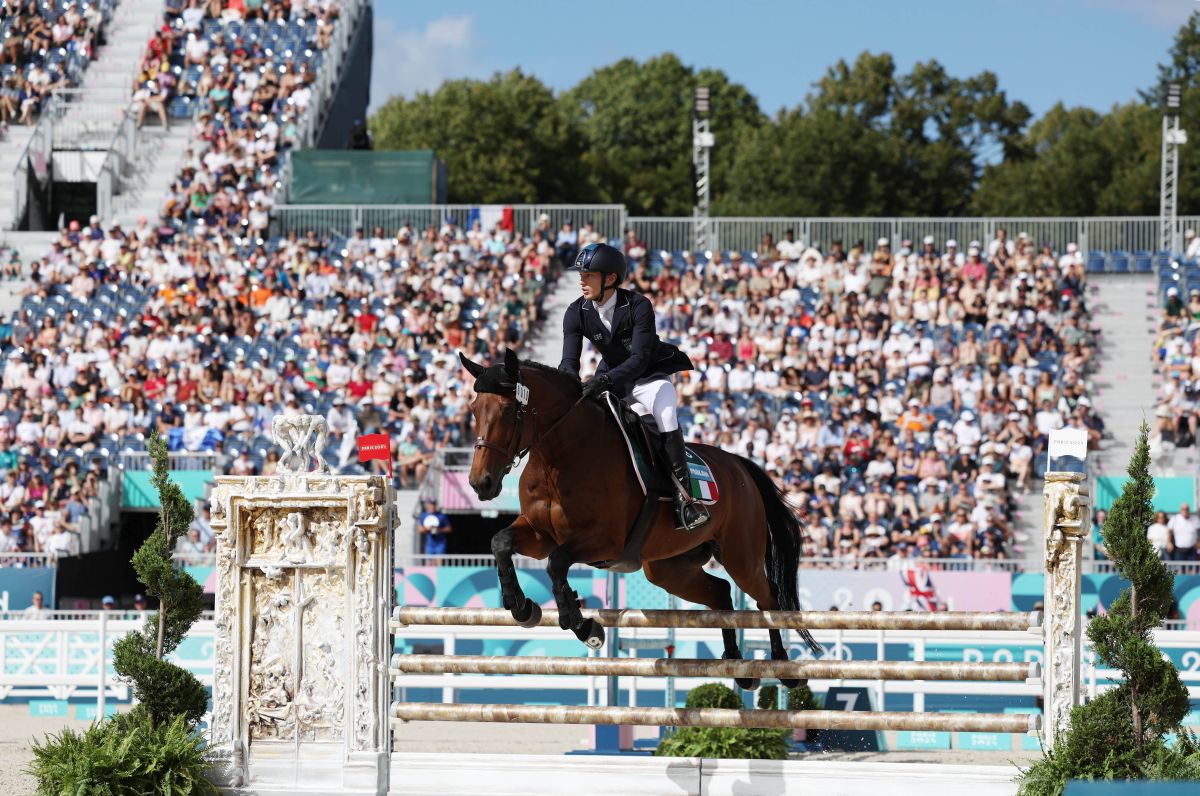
{"x": 500, "y": 408}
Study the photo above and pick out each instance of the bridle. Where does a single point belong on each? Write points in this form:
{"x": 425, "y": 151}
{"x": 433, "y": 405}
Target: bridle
{"x": 513, "y": 453}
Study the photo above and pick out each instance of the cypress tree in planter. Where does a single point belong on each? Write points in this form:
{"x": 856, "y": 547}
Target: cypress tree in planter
{"x": 154, "y": 748}
{"x": 164, "y": 689}
{"x": 1120, "y": 733}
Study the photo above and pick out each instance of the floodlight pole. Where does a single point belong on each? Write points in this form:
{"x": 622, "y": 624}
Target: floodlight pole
{"x": 702, "y": 143}
{"x": 1173, "y": 136}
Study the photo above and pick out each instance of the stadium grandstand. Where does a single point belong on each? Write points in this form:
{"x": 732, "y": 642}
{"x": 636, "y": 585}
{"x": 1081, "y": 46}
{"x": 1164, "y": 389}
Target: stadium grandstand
{"x": 898, "y": 381}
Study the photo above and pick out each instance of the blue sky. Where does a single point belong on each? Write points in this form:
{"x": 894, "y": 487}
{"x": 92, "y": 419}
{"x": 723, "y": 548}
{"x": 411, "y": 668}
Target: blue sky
{"x": 1082, "y": 52}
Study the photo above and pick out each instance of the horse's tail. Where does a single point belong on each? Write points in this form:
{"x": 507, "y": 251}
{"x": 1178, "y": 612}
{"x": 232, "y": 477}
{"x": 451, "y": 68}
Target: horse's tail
{"x": 784, "y": 535}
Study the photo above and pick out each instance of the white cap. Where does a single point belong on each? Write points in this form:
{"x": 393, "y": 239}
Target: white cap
{"x": 1191, "y": 233}
{"x": 928, "y": 240}
{"x": 952, "y": 244}
{"x": 883, "y": 242}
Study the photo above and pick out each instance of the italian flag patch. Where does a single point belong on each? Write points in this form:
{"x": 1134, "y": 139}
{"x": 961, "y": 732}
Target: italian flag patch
{"x": 703, "y": 486}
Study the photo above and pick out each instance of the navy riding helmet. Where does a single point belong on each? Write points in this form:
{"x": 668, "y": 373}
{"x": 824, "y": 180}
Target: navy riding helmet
{"x": 601, "y": 258}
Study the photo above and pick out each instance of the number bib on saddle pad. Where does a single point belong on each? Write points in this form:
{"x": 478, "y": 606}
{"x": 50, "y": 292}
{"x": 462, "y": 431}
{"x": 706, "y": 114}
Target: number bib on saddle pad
{"x": 702, "y": 486}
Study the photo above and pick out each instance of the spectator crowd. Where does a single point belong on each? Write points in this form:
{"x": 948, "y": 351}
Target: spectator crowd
{"x": 902, "y": 398}
{"x": 45, "y": 45}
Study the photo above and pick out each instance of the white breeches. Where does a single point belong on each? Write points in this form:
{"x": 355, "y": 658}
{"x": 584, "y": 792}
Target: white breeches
{"x": 656, "y": 397}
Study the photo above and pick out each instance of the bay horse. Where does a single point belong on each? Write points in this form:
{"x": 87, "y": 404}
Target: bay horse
{"x": 579, "y": 497}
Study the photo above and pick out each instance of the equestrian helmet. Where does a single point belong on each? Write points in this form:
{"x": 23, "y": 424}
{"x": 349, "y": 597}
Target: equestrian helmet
{"x": 601, "y": 258}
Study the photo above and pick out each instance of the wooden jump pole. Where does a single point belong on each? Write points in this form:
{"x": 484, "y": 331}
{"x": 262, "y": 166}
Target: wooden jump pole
{"x": 720, "y": 717}
{"x": 405, "y": 616}
{"x": 691, "y": 667}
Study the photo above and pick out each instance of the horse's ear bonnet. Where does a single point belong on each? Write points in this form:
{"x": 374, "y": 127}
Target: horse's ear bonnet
{"x": 499, "y": 379}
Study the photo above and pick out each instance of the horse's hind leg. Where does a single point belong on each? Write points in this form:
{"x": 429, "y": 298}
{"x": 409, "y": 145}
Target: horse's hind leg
{"x": 518, "y": 537}
{"x": 570, "y": 617}
{"x": 685, "y": 576}
{"x": 780, "y": 653}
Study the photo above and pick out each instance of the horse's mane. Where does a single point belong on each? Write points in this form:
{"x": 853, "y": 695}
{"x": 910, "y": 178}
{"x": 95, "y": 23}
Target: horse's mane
{"x": 568, "y": 380}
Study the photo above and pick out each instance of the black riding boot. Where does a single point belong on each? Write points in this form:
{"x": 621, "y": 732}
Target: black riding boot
{"x": 690, "y": 514}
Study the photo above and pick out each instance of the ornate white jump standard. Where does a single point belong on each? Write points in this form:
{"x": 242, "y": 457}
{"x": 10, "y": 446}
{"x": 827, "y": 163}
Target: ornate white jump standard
{"x": 1067, "y": 513}
{"x": 304, "y": 581}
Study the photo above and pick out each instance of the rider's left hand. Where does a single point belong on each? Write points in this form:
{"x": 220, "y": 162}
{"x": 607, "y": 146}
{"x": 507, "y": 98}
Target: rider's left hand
{"x": 596, "y": 385}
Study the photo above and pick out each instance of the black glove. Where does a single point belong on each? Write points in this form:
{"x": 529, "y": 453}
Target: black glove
{"x": 596, "y": 385}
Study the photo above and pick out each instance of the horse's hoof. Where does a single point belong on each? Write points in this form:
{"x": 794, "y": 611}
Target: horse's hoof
{"x": 591, "y": 632}
{"x": 530, "y": 614}
{"x": 746, "y": 684}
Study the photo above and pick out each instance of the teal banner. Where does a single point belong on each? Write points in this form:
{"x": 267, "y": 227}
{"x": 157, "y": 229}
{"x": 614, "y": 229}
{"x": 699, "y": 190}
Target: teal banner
{"x": 1168, "y": 492}
{"x": 139, "y": 493}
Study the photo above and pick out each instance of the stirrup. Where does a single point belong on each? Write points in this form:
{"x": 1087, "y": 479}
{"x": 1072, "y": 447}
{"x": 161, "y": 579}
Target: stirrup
{"x": 690, "y": 514}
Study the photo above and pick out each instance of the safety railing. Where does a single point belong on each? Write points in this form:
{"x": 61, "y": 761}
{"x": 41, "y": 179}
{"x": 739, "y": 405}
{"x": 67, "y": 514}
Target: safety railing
{"x": 1115, "y": 233}
{"x": 86, "y": 119}
{"x": 309, "y": 124}
{"x": 122, "y": 151}
{"x": 36, "y": 156}
{"x": 607, "y": 220}
{"x": 28, "y": 560}
{"x": 177, "y": 460}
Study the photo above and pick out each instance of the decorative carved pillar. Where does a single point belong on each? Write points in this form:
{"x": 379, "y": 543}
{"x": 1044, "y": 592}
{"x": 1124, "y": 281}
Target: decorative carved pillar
{"x": 304, "y": 582}
{"x": 1067, "y": 510}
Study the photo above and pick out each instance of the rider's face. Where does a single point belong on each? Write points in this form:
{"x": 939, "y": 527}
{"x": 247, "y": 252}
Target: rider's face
{"x": 589, "y": 284}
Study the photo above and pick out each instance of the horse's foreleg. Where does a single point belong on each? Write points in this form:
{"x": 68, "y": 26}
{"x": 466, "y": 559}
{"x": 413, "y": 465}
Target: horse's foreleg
{"x": 518, "y": 537}
{"x": 570, "y": 617}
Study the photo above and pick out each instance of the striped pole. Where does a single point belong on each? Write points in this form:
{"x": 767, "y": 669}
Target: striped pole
{"x": 721, "y": 717}
{"x": 685, "y": 667}
{"x": 749, "y": 620}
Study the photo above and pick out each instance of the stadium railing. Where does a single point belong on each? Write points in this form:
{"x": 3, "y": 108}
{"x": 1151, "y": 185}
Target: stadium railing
{"x": 28, "y": 560}
{"x": 1111, "y": 238}
{"x": 1092, "y": 234}
{"x": 340, "y": 220}
{"x": 37, "y": 152}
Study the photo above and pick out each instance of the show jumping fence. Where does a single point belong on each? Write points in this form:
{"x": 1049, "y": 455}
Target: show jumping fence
{"x": 402, "y": 665}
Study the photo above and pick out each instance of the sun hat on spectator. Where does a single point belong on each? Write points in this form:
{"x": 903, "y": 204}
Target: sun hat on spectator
{"x": 952, "y": 244}
{"x": 927, "y": 240}
{"x": 883, "y": 242}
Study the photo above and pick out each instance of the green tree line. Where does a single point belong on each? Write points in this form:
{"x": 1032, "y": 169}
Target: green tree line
{"x": 866, "y": 140}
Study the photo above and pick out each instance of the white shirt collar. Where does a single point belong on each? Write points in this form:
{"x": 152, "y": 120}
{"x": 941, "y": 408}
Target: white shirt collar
{"x": 608, "y": 305}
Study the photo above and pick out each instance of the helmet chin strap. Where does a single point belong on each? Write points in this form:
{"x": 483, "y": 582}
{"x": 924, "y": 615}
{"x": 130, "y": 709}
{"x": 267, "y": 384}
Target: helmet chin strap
{"x": 604, "y": 289}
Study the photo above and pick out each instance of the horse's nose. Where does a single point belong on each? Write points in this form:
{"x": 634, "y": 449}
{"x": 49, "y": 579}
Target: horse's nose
{"x": 484, "y": 485}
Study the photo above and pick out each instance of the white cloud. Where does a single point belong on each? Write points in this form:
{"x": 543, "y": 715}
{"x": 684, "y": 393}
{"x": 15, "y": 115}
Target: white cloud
{"x": 408, "y": 61}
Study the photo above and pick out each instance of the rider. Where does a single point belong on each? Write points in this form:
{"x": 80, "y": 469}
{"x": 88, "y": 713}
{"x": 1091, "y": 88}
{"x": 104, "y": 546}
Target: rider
{"x": 636, "y": 364}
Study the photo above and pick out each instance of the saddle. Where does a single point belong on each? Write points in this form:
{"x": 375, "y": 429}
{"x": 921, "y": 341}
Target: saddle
{"x": 650, "y": 465}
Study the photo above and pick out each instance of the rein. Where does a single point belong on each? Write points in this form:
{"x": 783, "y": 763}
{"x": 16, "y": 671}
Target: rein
{"x": 522, "y": 396}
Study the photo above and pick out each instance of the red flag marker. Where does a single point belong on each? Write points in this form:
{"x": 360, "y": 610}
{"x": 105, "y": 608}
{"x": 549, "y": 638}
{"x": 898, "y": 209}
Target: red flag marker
{"x": 376, "y": 446}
